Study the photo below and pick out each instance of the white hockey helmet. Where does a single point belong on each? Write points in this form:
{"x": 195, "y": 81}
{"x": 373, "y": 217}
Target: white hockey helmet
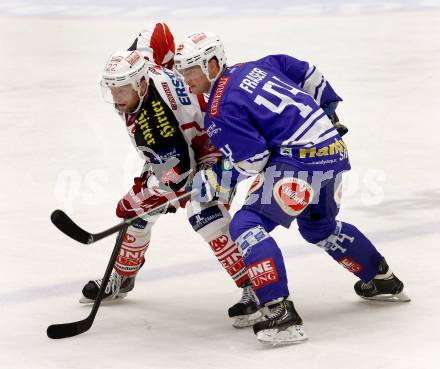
{"x": 198, "y": 49}
{"x": 124, "y": 68}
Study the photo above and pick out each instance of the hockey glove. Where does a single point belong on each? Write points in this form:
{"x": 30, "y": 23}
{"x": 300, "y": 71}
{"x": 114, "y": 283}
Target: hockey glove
{"x": 330, "y": 111}
{"x": 208, "y": 184}
{"x": 342, "y": 130}
{"x": 141, "y": 199}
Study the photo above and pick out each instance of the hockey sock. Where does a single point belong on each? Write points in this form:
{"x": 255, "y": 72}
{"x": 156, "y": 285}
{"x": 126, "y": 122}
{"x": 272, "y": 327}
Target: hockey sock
{"x": 229, "y": 256}
{"x": 350, "y": 248}
{"x": 261, "y": 255}
{"x": 131, "y": 255}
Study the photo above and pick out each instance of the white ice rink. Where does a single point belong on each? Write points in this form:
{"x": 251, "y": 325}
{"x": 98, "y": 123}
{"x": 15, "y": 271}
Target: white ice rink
{"x": 62, "y": 147}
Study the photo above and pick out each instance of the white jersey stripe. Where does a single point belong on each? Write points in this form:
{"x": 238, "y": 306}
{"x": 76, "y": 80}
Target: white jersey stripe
{"x": 307, "y": 124}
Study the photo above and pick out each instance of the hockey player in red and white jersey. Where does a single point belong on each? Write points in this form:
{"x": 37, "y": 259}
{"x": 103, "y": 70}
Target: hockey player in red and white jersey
{"x": 165, "y": 123}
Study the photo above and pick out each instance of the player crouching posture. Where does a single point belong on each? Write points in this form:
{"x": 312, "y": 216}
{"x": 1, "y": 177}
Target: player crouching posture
{"x": 164, "y": 122}
{"x": 269, "y": 117}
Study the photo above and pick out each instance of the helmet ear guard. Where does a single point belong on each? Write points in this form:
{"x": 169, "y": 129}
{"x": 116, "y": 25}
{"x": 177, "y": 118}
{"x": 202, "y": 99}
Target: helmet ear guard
{"x": 198, "y": 49}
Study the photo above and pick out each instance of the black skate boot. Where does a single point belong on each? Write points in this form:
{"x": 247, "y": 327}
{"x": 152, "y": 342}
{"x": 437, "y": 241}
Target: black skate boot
{"x": 384, "y": 287}
{"x": 117, "y": 288}
{"x": 246, "y": 312}
{"x": 282, "y": 325}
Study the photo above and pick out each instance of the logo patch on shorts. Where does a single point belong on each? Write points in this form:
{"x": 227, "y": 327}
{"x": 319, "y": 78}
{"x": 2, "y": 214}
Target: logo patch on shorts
{"x": 263, "y": 273}
{"x": 293, "y": 195}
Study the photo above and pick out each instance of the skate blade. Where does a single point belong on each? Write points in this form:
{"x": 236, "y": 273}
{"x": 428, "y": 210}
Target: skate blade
{"x": 120, "y": 296}
{"x": 400, "y": 297}
{"x": 243, "y": 321}
{"x": 275, "y": 337}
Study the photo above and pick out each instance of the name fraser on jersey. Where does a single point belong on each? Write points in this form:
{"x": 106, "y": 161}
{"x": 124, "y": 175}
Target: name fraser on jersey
{"x": 252, "y": 79}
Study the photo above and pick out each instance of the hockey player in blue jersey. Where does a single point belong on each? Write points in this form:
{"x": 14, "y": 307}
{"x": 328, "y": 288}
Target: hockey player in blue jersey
{"x": 270, "y": 118}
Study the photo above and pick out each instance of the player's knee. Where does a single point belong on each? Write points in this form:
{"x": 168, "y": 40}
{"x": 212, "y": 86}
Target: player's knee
{"x": 207, "y": 220}
{"x": 315, "y": 232}
{"x": 242, "y": 221}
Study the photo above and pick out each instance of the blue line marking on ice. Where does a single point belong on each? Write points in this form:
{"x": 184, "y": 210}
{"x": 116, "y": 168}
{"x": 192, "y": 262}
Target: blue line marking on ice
{"x": 204, "y": 266}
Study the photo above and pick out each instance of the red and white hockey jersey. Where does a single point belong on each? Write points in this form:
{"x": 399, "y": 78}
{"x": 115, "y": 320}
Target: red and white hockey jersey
{"x": 168, "y": 130}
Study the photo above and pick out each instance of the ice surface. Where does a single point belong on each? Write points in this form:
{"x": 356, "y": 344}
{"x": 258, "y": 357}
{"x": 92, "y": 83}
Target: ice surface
{"x": 62, "y": 147}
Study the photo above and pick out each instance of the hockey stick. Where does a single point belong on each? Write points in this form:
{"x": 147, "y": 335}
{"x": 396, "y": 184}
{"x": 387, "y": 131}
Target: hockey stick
{"x": 64, "y": 330}
{"x": 66, "y": 225}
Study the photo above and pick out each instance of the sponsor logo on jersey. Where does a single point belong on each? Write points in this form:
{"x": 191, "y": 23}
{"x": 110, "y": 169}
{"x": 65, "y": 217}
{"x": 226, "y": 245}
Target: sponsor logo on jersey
{"x": 154, "y": 70}
{"x": 179, "y": 87}
{"x": 262, "y": 273}
{"x": 351, "y": 265}
{"x": 213, "y": 130}
{"x": 169, "y": 94}
{"x": 205, "y": 217}
{"x": 161, "y": 122}
{"x": 144, "y": 125}
{"x": 293, "y": 195}
{"x": 165, "y": 127}
{"x": 336, "y": 147}
{"x": 132, "y": 58}
{"x": 180, "y": 47}
{"x": 217, "y": 96}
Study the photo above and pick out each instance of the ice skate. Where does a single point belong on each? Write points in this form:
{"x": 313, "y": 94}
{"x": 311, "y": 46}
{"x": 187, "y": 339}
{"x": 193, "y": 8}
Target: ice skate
{"x": 117, "y": 288}
{"x": 384, "y": 287}
{"x": 282, "y": 325}
{"x": 246, "y": 312}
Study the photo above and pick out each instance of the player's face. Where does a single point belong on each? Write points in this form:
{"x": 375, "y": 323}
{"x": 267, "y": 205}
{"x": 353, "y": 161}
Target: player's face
{"x": 125, "y": 98}
{"x": 196, "y": 79}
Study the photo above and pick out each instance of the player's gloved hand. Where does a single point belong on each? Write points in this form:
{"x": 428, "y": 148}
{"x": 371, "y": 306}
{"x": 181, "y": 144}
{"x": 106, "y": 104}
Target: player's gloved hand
{"x": 330, "y": 111}
{"x": 141, "y": 199}
{"x": 207, "y": 183}
{"x": 342, "y": 130}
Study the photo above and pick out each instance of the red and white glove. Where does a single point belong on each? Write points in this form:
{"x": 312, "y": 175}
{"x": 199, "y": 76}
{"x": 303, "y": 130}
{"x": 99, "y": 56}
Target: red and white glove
{"x": 141, "y": 199}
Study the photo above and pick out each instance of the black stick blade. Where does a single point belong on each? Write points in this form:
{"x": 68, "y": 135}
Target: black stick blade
{"x": 66, "y": 225}
{"x": 57, "y": 331}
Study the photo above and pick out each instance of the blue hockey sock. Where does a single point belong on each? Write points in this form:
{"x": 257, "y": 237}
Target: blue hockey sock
{"x": 350, "y": 248}
{"x": 261, "y": 255}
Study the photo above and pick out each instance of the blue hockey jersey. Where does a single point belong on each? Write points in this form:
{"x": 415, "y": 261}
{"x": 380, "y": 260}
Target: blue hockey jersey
{"x": 273, "y": 108}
